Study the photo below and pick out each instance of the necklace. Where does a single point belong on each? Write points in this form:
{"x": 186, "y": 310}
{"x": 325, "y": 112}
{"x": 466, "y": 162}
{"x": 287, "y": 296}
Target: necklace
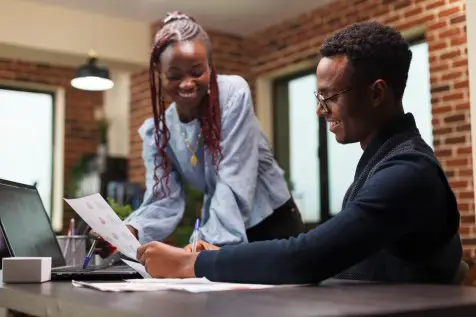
{"x": 193, "y": 157}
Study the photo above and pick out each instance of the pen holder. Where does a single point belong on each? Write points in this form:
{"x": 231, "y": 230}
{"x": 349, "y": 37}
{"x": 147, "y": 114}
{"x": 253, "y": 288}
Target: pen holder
{"x": 73, "y": 248}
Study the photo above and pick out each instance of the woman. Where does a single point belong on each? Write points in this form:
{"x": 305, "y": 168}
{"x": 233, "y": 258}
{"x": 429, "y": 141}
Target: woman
{"x": 210, "y": 138}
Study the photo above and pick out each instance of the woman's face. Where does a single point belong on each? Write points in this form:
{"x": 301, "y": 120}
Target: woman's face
{"x": 186, "y": 76}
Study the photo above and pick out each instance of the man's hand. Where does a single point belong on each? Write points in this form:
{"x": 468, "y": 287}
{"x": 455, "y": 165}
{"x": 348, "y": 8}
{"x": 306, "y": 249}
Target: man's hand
{"x": 162, "y": 260}
{"x": 201, "y": 246}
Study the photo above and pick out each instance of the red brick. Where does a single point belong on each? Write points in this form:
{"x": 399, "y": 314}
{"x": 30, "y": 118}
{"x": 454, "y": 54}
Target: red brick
{"x": 463, "y": 127}
{"x": 463, "y": 207}
{"x": 451, "y": 55}
{"x": 413, "y": 12}
{"x": 461, "y": 40}
{"x": 402, "y": 4}
{"x": 452, "y": 75}
{"x": 434, "y": 4}
{"x": 447, "y": 12}
{"x": 462, "y": 106}
{"x": 441, "y": 131}
{"x": 461, "y": 62}
{"x": 461, "y": 84}
{"x": 453, "y": 96}
{"x": 458, "y": 19}
{"x": 443, "y": 153}
{"x": 458, "y": 184}
{"x": 436, "y": 46}
{"x": 391, "y": 19}
{"x": 465, "y": 230}
{"x": 452, "y": 32}
{"x": 466, "y": 194}
{"x": 464, "y": 150}
{"x": 437, "y": 25}
{"x": 456, "y": 140}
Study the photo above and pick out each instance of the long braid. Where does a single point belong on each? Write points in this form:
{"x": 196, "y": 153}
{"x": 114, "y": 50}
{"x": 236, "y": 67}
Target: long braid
{"x": 179, "y": 27}
{"x": 159, "y": 120}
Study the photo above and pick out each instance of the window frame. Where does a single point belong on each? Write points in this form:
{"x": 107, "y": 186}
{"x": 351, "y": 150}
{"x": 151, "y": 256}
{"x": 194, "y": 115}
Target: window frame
{"x": 53, "y": 131}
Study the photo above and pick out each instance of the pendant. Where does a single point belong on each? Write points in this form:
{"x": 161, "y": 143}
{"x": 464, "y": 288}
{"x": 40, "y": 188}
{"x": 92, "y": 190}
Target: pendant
{"x": 193, "y": 160}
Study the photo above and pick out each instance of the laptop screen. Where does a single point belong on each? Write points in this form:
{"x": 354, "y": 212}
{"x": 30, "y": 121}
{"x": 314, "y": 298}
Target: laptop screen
{"x": 25, "y": 223}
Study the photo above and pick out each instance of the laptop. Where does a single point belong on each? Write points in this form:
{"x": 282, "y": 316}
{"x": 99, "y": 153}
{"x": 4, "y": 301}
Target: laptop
{"x": 26, "y": 231}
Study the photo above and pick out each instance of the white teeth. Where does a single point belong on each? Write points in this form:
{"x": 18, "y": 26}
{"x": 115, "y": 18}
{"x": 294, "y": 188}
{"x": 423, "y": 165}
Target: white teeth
{"x": 187, "y": 95}
{"x": 334, "y": 123}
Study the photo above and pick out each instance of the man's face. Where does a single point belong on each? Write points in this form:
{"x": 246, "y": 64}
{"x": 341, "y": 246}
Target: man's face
{"x": 348, "y": 104}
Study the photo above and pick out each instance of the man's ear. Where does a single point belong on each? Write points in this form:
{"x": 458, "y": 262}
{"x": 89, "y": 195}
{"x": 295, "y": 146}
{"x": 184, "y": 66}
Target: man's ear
{"x": 378, "y": 90}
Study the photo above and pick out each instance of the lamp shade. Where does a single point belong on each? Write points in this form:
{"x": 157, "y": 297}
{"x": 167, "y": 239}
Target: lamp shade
{"x": 92, "y": 77}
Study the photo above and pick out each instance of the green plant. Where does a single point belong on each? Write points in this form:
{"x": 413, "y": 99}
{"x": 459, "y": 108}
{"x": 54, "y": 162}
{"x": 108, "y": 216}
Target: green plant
{"x": 103, "y": 126}
{"x": 182, "y": 235}
{"x": 123, "y": 211}
{"x": 77, "y": 173}
{"x": 193, "y": 202}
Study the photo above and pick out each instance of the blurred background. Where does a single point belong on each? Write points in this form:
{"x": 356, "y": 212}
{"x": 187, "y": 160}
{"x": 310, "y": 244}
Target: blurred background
{"x": 73, "y": 141}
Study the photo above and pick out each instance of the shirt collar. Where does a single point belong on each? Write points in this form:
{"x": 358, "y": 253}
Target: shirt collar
{"x": 405, "y": 122}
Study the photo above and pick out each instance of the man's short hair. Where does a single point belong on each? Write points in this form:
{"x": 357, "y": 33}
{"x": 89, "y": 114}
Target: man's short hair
{"x": 375, "y": 51}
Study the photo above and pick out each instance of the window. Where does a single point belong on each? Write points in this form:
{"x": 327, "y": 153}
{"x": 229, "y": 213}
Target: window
{"x": 417, "y": 96}
{"x": 26, "y": 138}
{"x": 320, "y": 169}
{"x": 297, "y": 131}
{"x": 302, "y": 121}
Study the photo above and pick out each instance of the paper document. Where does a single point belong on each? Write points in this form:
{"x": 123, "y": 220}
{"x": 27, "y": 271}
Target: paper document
{"x": 139, "y": 268}
{"x": 191, "y": 285}
{"x": 97, "y": 213}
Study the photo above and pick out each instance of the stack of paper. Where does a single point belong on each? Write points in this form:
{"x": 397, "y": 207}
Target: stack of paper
{"x": 191, "y": 285}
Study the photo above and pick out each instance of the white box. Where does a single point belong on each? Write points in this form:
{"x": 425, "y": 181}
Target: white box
{"x": 26, "y": 269}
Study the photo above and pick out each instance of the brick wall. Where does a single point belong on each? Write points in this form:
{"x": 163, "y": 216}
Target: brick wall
{"x": 298, "y": 39}
{"x": 81, "y": 136}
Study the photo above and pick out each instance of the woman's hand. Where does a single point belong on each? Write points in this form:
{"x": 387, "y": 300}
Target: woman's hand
{"x": 104, "y": 248}
{"x": 162, "y": 260}
{"x": 202, "y": 246}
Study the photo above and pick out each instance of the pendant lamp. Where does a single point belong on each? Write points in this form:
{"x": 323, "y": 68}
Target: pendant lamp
{"x": 92, "y": 77}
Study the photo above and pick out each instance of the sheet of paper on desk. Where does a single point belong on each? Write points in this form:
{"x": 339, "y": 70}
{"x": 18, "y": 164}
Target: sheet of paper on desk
{"x": 191, "y": 285}
{"x": 97, "y": 213}
{"x": 139, "y": 268}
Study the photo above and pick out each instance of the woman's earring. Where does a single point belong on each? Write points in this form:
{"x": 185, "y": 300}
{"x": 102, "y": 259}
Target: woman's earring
{"x": 209, "y": 96}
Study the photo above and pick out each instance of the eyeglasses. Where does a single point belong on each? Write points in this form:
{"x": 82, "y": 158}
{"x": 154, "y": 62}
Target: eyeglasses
{"x": 322, "y": 101}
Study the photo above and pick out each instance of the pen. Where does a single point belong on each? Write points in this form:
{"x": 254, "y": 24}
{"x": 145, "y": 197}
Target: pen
{"x": 90, "y": 254}
{"x": 195, "y": 235}
{"x": 72, "y": 228}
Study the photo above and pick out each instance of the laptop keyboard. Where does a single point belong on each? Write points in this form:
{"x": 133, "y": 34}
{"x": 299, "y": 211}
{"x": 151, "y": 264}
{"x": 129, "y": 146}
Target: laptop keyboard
{"x": 74, "y": 269}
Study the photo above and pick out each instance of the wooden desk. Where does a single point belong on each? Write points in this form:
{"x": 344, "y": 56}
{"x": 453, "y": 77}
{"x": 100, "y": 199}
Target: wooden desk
{"x": 330, "y": 299}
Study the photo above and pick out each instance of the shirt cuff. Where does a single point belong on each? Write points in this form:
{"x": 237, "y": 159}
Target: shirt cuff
{"x": 205, "y": 265}
{"x": 136, "y": 225}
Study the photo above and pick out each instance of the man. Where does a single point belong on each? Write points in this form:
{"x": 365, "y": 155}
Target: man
{"x": 399, "y": 221}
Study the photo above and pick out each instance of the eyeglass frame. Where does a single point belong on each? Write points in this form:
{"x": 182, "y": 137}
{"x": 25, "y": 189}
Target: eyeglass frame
{"x": 322, "y": 100}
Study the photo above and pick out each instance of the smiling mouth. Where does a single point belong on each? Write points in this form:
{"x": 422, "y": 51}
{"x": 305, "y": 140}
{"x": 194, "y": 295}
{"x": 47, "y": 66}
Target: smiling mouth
{"x": 188, "y": 95}
{"x": 334, "y": 124}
